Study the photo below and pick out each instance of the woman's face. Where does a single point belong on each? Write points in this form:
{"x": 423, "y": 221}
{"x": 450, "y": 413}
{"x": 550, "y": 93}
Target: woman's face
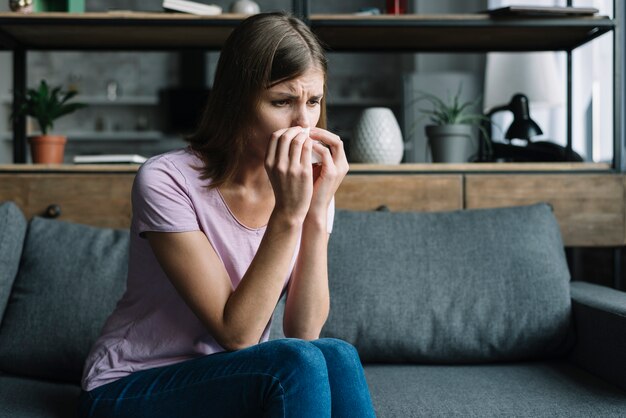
{"x": 294, "y": 102}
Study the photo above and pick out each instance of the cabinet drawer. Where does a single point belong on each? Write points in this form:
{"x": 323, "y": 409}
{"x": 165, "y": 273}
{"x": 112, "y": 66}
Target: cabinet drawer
{"x": 92, "y": 199}
{"x": 589, "y": 207}
{"x": 424, "y": 193}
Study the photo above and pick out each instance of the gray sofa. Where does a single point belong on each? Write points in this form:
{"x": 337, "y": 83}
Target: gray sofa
{"x": 467, "y": 313}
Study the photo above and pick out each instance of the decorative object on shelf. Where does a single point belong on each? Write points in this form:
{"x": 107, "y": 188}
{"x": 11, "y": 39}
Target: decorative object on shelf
{"x": 396, "y": 7}
{"x": 21, "y": 6}
{"x": 516, "y": 85}
{"x": 377, "y": 138}
{"x": 524, "y": 128}
{"x": 113, "y": 90}
{"x": 450, "y": 135}
{"x": 192, "y": 7}
{"x": 46, "y": 105}
{"x": 246, "y": 7}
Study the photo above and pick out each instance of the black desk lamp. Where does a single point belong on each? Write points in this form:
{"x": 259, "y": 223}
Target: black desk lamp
{"x": 522, "y": 127}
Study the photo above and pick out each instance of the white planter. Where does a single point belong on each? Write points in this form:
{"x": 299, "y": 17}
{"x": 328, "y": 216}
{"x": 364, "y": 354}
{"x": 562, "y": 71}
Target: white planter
{"x": 377, "y": 138}
{"x": 246, "y": 7}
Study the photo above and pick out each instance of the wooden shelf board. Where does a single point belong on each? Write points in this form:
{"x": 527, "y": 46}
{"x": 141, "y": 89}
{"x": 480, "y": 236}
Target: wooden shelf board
{"x": 165, "y": 31}
{"x": 480, "y": 167}
{"x": 117, "y": 31}
{"x": 456, "y": 33}
{"x": 354, "y": 168}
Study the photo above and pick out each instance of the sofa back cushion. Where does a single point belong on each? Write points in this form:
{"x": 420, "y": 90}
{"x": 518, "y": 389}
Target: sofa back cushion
{"x": 69, "y": 280}
{"x": 457, "y": 287}
{"x": 12, "y": 232}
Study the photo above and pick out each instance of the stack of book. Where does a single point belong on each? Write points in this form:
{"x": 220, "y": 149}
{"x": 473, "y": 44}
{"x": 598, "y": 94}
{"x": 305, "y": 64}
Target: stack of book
{"x": 109, "y": 159}
{"x": 192, "y": 7}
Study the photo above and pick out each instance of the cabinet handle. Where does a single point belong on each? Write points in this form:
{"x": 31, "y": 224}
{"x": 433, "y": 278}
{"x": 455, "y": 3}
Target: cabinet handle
{"x": 53, "y": 211}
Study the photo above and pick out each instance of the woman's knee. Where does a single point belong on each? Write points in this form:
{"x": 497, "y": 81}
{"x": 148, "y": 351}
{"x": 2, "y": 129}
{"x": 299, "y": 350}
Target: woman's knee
{"x": 340, "y": 346}
{"x": 298, "y": 353}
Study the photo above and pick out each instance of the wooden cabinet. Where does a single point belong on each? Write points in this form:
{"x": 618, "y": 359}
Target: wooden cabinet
{"x": 589, "y": 207}
{"x": 92, "y": 199}
{"x": 403, "y": 192}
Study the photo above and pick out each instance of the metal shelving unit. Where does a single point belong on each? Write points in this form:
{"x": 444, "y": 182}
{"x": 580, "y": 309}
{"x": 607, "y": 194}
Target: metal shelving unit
{"x": 123, "y": 31}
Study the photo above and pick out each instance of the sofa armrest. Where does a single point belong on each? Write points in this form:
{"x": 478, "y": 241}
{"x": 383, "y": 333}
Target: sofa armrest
{"x": 600, "y": 321}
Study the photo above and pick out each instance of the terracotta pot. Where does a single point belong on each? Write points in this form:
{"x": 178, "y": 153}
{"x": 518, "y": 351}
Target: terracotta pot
{"x": 47, "y": 149}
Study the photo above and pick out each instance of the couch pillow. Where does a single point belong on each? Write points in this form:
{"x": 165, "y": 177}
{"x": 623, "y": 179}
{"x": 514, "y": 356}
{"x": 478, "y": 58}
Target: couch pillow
{"x": 451, "y": 287}
{"x": 69, "y": 281}
{"x": 12, "y": 232}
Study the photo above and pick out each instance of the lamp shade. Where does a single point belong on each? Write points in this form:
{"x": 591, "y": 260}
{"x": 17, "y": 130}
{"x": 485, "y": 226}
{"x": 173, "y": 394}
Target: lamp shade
{"x": 533, "y": 74}
{"x": 522, "y": 127}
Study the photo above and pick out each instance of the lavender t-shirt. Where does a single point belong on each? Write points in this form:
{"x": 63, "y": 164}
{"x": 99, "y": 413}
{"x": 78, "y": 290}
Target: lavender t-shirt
{"x": 152, "y": 326}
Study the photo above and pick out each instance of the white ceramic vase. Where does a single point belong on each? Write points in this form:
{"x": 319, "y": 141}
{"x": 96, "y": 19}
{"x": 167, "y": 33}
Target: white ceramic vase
{"x": 377, "y": 138}
{"x": 246, "y": 7}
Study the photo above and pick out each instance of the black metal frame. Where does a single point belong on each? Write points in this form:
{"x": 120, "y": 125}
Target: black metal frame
{"x": 301, "y": 9}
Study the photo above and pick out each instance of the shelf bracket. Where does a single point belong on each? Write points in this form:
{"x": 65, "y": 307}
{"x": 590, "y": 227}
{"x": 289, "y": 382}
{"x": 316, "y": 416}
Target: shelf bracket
{"x": 19, "y": 92}
{"x": 301, "y": 9}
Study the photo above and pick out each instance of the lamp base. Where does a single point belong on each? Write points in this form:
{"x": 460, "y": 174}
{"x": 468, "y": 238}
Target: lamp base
{"x": 540, "y": 151}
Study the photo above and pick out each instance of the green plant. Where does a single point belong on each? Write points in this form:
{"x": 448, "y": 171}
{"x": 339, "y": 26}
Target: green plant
{"x": 46, "y": 105}
{"x": 452, "y": 111}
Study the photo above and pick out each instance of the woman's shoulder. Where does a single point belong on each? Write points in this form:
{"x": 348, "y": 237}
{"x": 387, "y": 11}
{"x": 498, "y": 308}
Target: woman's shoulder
{"x": 177, "y": 165}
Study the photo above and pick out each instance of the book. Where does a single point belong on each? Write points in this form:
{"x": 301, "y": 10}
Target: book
{"x": 192, "y": 7}
{"x": 540, "y": 11}
{"x": 110, "y": 159}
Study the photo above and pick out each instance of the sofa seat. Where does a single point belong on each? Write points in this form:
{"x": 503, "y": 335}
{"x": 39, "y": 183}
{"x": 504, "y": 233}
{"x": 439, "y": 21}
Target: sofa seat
{"x": 531, "y": 389}
{"x": 22, "y": 397}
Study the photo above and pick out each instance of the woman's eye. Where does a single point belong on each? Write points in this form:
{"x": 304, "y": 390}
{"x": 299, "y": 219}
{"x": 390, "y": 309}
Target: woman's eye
{"x": 280, "y": 103}
{"x": 314, "y": 102}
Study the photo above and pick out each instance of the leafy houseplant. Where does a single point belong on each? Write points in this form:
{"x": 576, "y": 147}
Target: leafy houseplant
{"x": 46, "y": 105}
{"x": 452, "y": 128}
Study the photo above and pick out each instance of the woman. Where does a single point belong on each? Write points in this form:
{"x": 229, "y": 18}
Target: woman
{"x": 220, "y": 230}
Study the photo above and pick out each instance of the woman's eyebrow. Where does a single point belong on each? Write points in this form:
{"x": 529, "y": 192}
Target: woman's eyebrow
{"x": 294, "y": 97}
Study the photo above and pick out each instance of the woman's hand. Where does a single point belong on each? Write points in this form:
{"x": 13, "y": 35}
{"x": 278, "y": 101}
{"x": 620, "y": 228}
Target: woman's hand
{"x": 288, "y": 165}
{"x": 330, "y": 173}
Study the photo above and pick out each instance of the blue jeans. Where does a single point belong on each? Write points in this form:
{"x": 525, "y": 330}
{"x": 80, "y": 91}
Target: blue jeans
{"x": 279, "y": 378}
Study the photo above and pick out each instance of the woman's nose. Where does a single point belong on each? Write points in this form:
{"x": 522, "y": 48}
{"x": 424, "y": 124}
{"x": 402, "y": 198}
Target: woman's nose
{"x": 301, "y": 117}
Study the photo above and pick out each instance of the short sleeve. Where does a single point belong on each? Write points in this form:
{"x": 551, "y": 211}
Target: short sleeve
{"x": 161, "y": 200}
{"x": 330, "y": 218}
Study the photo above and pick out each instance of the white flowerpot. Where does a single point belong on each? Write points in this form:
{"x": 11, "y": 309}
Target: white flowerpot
{"x": 450, "y": 143}
{"x": 377, "y": 138}
{"x": 246, "y": 7}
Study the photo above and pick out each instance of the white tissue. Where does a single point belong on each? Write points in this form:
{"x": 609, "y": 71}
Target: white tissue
{"x": 315, "y": 157}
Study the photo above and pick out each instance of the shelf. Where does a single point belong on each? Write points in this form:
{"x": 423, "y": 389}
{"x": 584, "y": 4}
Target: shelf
{"x": 87, "y": 136}
{"x": 556, "y": 168}
{"x": 428, "y": 168}
{"x": 103, "y": 101}
{"x": 456, "y": 33}
{"x": 425, "y": 33}
{"x": 115, "y": 31}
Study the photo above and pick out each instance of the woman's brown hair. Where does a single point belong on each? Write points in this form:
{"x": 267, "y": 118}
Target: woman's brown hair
{"x": 263, "y": 50}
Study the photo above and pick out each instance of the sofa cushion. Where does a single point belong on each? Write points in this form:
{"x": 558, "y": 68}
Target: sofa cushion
{"x": 533, "y": 389}
{"x": 28, "y": 398}
{"x": 69, "y": 280}
{"x": 449, "y": 287}
{"x": 12, "y": 232}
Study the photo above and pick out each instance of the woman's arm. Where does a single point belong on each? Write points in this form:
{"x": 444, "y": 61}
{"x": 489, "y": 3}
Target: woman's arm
{"x": 237, "y": 318}
{"x": 308, "y": 301}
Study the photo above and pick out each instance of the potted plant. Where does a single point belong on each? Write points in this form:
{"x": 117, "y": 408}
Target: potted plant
{"x": 453, "y": 126}
{"x": 46, "y": 105}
